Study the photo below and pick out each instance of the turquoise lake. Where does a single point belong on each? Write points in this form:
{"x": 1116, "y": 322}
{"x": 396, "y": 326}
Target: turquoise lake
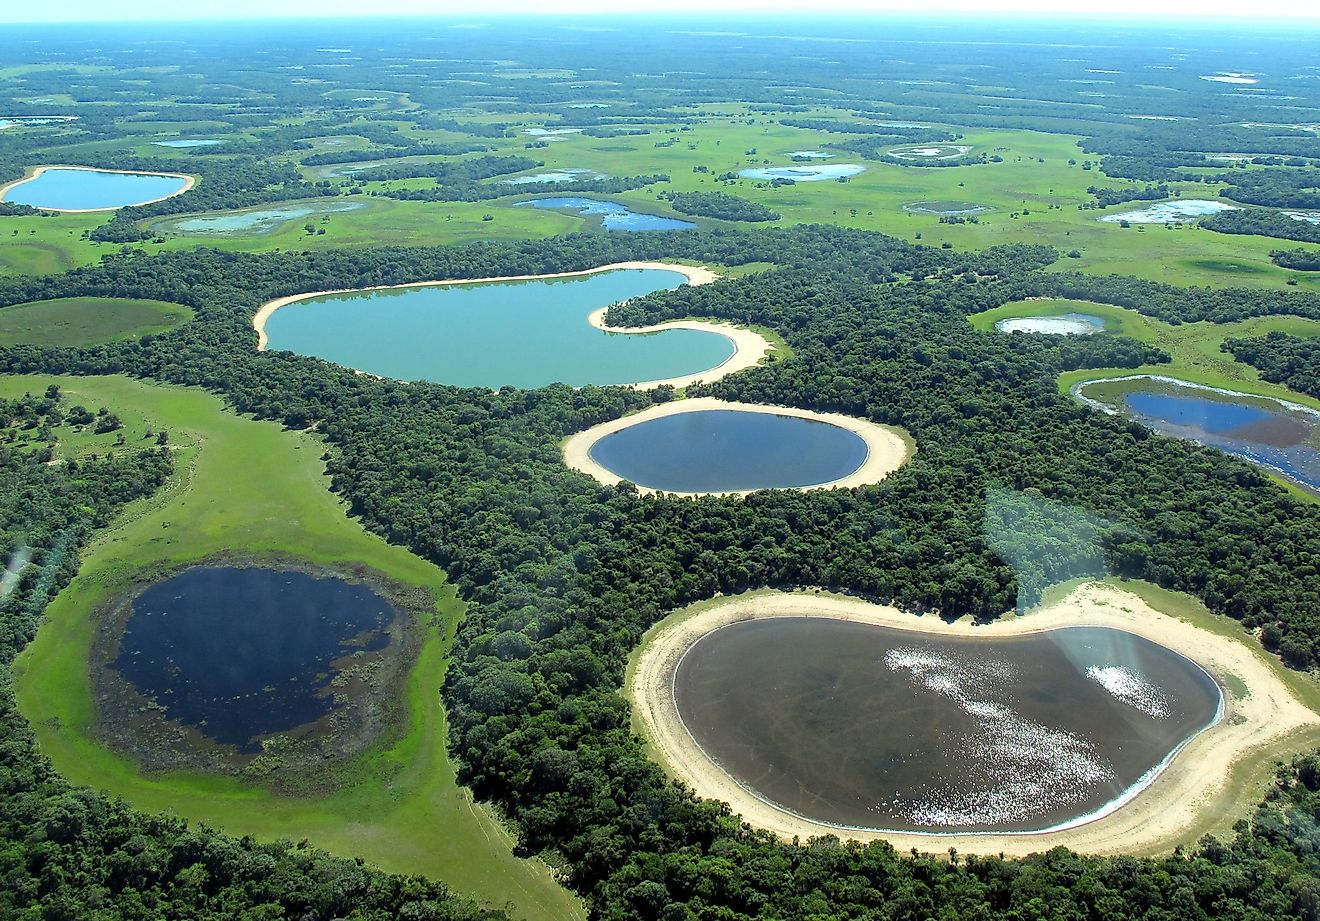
{"x": 512, "y": 333}
{"x": 727, "y": 450}
{"x": 91, "y": 190}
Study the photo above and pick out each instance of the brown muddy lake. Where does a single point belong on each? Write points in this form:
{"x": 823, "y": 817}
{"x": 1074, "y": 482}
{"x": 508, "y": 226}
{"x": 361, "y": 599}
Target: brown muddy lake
{"x": 872, "y": 727}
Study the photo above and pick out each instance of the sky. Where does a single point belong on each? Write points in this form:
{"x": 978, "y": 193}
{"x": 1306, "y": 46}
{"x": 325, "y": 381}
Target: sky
{"x": 16, "y": 11}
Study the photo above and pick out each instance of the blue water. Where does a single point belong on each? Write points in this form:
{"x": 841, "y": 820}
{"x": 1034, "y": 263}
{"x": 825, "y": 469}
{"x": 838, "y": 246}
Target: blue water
{"x": 85, "y": 189}
{"x": 1210, "y": 415}
{"x": 184, "y": 143}
{"x": 515, "y": 333}
{"x": 804, "y": 172}
{"x": 730, "y": 451}
{"x": 557, "y": 175}
{"x": 242, "y": 653}
{"x": 1281, "y": 439}
{"x": 615, "y": 217}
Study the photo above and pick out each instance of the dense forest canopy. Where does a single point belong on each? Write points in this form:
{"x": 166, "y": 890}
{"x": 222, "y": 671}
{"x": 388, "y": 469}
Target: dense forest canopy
{"x": 564, "y": 575}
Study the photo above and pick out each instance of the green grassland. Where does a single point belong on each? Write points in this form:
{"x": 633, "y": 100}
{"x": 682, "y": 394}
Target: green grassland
{"x": 1035, "y": 193}
{"x": 250, "y": 487}
{"x": 1193, "y": 347}
{"x": 79, "y": 321}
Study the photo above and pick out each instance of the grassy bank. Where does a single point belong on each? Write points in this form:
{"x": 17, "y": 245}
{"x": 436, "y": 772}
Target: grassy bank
{"x": 250, "y": 487}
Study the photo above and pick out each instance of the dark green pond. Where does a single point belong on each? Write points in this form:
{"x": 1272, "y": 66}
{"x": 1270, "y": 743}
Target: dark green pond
{"x": 865, "y": 726}
{"x": 244, "y": 653}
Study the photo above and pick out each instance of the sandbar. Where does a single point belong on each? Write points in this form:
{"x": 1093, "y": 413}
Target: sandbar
{"x": 886, "y": 449}
{"x": 1193, "y": 793}
{"x": 749, "y": 347}
{"x": 36, "y": 171}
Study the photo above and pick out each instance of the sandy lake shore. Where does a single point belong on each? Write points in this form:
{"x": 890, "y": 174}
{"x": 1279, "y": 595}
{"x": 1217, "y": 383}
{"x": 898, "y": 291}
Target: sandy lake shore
{"x": 35, "y": 172}
{"x": 749, "y": 347}
{"x": 1191, "y": 794}
{"x": 886, "y": 450}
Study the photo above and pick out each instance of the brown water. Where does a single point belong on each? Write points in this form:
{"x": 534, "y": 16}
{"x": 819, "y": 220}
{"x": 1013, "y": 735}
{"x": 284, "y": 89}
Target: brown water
{"x": 875, "y": 727}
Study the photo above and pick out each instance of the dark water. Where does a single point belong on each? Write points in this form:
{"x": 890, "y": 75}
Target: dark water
{"x": 728, "y": 451}
{"x": 614, "y": 217}
{"x": 243, "y": 653}
{"x": 1258, "y": 430}
{"x": 876, "y": 727}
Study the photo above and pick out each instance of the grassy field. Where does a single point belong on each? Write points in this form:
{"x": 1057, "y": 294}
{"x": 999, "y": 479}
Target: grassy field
{"x": 79, "y": 321}
{"x": 1035, "y": 193}
{"x": 1194, "y": 347}
{"x": 251, "y": 487}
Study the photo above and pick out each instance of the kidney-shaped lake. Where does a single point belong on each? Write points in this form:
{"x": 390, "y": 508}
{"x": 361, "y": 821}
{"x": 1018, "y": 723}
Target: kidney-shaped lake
{"x": 518, "y": 333}
{"x": 873, "y": 727}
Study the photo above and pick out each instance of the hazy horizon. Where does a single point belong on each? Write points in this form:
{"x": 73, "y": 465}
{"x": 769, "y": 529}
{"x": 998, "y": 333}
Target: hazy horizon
{"x": 1134, "y": 11}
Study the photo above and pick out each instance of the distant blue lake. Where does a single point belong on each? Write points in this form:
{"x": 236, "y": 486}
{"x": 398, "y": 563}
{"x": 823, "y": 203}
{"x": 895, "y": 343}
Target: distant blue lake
{"x": 184, "y": 143}
{"x": 804, "y": 172}
{"x": 614, "y": 217}
{"x": 91, "y": 190}
{"x": 513, "y": 333}
{"x": 730, "y": 451}
{"x": 1282, "y": 437}
{"x": 242, "y": 653}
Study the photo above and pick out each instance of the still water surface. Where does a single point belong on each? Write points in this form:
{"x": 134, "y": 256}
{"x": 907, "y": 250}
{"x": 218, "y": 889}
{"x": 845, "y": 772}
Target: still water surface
{"x": 725, "y": 450}
{"x": 245, "y": 652}
{"x": 514, "y": 333}
{"x": 868, "y": 726}
{"x": 88, "y": 190}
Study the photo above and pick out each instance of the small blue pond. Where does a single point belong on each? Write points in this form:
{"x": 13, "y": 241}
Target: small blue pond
{"x": 241, "y": 653}
{"x": 185, "y": 143}
{"x": 613, "y": 216}
{"x": 92, "y": 190}
{"x": 730, "y": 451}
{"x": 804, "y": 172}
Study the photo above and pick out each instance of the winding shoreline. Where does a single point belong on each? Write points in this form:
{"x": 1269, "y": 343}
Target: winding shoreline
{"x": 1173, "y": 808}
{"x": 36, "y": 171}
{"x": 749, "y": 347}
{"x": 886, "y": 450}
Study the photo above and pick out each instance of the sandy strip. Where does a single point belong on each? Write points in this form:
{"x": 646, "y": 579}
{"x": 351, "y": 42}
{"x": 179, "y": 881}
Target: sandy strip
{"x": 35, "y": 172}
{"x": 749, "y": 347}
{"x": 886, "y": 450}
{"x": 1191, "y": 795}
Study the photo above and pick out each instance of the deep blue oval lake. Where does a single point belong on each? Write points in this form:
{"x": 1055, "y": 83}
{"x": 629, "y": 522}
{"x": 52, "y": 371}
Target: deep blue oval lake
{"x": 1282, "y": 437}
{"x": 613, "y": 216}
{"x": 66, "y": 189}
{"x": 513, "y": 333}
{"x": 725, "y": 450}
{"x": 244, "y": 652}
